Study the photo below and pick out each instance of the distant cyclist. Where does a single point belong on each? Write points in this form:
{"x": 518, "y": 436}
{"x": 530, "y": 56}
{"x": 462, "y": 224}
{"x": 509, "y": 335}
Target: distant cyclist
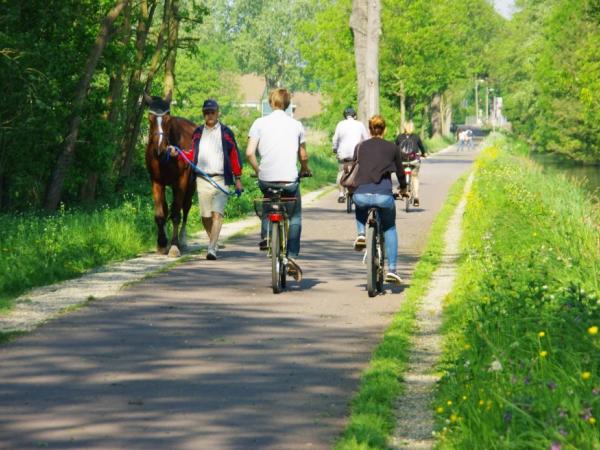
{"x": 281, "y": 143}
{"x": 412, "y": 149}
{"x": 348, "y": 133}
{"x": 377, "y": 160}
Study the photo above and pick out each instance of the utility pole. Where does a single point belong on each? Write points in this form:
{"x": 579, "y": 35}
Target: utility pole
{"x": 487, "y": 105}
{"x": 476, "y": 101}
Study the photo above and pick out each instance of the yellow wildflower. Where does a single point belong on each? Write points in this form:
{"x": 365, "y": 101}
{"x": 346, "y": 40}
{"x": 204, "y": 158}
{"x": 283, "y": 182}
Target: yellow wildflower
{"x": 586, "y": 375}
{"x": 593, "y": 330}
{"x": 454, "y": 417}
{"x": 449, "y": 402}
{"x": 464, "y": 397}
{"x": 543, "y": 353}
{"x": 541, "y": 334}
{"x": 439, "y": 409}
{"x": 481, "y": 402}
{"x": 592, "y": 420}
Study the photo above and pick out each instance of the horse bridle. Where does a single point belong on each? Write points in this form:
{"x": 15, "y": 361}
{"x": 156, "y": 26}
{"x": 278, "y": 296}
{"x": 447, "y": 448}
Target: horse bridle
{"x": 160, "y": 131}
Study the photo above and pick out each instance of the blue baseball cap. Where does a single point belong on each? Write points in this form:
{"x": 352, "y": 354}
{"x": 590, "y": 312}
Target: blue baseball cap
{"x": 210, "y": 105}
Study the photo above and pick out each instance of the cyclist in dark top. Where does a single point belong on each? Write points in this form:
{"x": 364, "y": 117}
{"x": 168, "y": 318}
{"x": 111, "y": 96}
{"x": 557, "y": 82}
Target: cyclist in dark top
{"x": 412, "y": 149}
{"x": 377, "y": 159}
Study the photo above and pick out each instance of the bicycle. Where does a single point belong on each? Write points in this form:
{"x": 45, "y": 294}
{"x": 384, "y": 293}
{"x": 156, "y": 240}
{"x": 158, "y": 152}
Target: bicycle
{"x": 408, "y": 201}
{"x": 375, "y": 252}
{"x": 348, "y": 202}
{"x": 278, "y": 210}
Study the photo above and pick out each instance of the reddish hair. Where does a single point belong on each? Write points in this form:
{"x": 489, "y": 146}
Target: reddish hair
{"x": 376, "y": 125}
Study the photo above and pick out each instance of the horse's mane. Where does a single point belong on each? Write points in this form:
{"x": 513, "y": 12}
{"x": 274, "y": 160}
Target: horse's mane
{"x": 183, "y": 119}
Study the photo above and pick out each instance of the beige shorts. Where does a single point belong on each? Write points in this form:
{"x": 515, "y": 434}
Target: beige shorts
{"x": 210, "y": 198}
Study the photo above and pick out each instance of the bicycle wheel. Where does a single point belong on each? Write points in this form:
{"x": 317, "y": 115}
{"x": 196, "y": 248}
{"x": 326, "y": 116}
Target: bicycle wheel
{"x": 408, "y": 200}
{"x": 348, "y": 202}
{"x": 380, "y": 261}
{"x": 276, "y": 266}
{"x": 283, "y": 245}
{"x": 372, "y": 259}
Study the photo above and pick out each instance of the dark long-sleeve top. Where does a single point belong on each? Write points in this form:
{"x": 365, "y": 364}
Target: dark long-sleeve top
{"x": 377, "y": 160}
{"x": 416, "y": 142}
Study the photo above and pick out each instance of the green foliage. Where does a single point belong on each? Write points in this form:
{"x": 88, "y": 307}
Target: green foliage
{"x": 429, "y": 46}
{"x": 521, "y": 362}
{"x": 326, "y": 44}
{"x": 547, "y": 66}
{"x": 263, "y": 37}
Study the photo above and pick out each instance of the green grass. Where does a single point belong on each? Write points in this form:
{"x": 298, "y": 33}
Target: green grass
{"x": 434, "y": 145}
{"x": 522, "y": 360}
{"x": 38, "y": 249}
{"x": 372, "y": 419}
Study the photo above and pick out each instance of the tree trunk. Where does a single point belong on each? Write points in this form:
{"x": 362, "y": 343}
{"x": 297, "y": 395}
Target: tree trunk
{"x": 358, "y": 25}
{"x": 372, "y": 64}
{"x": 173, "y": 29}
{"x": 402, "y": 106}
{"x": 64, "y": 160}
{"x": 135, "y": 87}
{"x": 436, "y": 116}
{"x": 114, "y": 101}
{"x": 88, "y": 188}
{"x": 155, "y": 64}
{"x": 447, "y": 114}
{"x": 365, "y": 23}
{"x": 424, "y": 117}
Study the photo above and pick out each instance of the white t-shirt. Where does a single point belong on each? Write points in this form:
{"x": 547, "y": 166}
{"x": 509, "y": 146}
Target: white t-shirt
{"x": 348, "y": 133}
{"x": 279, "y": 137}
{"x": 210, "y": 150}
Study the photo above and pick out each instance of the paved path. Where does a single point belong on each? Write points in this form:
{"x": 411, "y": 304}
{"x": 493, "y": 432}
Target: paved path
{"x": 206, "y": 357}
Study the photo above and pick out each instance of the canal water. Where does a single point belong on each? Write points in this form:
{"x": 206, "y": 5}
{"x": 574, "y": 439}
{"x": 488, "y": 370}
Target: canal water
{"x": 588, "y": 176}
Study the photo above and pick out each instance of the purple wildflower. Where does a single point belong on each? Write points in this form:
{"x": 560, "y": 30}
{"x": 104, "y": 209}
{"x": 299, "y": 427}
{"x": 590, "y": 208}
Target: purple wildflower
{"x": 507, "y": 417}
{"x": 556, "y": 446}
{"x": 586, "y": 413}
{"x": 551, "y": 385}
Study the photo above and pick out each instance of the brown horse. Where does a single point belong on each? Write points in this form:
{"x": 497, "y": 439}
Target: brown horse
{"x": 167, "y": 170}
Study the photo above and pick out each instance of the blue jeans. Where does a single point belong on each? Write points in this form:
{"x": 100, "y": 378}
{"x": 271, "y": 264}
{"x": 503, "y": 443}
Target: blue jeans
{"x": 291, "y": 190}
{"x": 387, "y": 217}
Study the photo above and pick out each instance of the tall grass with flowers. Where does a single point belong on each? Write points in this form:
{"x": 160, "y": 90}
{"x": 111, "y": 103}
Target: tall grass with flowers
{"x": 37, "y": 249}
{"x": 522, "y": 351}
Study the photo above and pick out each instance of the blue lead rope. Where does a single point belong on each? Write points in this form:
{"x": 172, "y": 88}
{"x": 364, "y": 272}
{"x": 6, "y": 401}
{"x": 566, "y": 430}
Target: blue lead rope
{"x": 203, "y": 174}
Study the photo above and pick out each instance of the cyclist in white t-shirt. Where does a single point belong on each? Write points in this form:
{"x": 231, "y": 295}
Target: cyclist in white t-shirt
{"x": 348, "y": 134}
{"x": 281, "y": 143}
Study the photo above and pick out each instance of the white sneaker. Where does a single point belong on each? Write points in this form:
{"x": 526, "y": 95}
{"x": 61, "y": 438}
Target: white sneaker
{"x": 393, "y": 277}
{"x": 360, "y": 242}
{"x": 211, "y": 254}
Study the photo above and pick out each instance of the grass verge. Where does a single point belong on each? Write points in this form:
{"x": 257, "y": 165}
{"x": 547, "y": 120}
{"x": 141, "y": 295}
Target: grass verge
{"x": 372, "y": 417}
{"x": 434, "y": 145}
{"x": 522, "y": 351}
{"x": 37, "y": 249}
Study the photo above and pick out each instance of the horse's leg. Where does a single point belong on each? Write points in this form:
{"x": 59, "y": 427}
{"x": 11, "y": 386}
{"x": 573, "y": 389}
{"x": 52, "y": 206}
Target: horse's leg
{"x": 178, "y": 194}
{"x": 160, "y": 212}
{"x": 187, "y": 205}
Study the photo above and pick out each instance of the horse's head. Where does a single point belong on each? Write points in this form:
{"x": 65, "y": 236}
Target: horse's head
{"x": 160, "y": 119}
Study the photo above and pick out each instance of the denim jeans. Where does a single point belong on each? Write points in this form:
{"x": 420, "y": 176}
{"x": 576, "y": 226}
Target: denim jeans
{"x": 291, "y": 190}
{"x": 387, "y": 217}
